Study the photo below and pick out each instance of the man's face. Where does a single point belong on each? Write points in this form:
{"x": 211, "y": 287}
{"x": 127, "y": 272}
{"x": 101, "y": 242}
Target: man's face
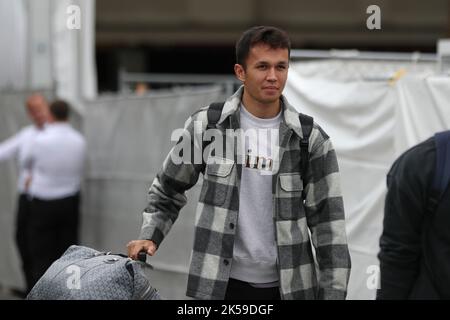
{"x": 37, "y": 110}
{"x": 265, "y": 74}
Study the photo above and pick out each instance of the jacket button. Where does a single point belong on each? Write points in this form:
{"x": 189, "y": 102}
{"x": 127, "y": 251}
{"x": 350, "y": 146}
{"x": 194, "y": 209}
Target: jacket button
{"x": 231, "y": 225}
{"x": 225, "y": 262}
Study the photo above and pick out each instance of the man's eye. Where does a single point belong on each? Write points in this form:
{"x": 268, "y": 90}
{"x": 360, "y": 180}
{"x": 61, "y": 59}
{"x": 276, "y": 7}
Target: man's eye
{"x": 262, "y": 67}
{"x": 282, "y": 67}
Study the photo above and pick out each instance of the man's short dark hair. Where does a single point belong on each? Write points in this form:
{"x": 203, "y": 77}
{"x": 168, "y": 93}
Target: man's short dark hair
{"x": 275, "y": 38}
{"x": 60, "y": 110}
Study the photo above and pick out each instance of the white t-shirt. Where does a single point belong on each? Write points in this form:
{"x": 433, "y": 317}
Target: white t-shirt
{"x": 255, "y": 252}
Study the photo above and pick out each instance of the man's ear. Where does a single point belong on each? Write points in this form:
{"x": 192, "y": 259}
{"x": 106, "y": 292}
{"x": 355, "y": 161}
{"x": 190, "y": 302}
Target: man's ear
{"x": 239, "y": 71}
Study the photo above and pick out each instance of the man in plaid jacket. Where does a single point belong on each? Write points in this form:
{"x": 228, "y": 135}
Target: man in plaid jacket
{"x": 263, "y": 231}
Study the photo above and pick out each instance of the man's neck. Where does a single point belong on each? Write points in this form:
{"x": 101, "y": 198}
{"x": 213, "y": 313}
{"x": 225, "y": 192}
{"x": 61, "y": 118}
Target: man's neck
{"x": 261, "y": 110}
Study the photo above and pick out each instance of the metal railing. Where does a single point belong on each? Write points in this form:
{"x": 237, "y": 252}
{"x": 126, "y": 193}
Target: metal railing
{"x": 354, "y": 54}
{"x": 127, "y": 79}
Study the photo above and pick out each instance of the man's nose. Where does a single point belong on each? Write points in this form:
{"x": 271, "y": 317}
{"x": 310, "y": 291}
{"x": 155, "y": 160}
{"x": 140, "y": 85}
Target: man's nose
{"x": 271, "y": 76}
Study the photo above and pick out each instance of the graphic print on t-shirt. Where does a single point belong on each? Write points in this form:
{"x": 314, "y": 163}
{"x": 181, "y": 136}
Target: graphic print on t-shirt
{"x": 260, "y": 146}
{"x": 257, "y": 162}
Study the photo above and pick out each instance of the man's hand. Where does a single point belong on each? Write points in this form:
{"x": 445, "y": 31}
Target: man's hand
{"x": 136, "y": 246}
{"x": 28, "y": 182}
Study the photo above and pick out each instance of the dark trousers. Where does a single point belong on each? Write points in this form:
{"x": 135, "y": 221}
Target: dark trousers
{"x": 240, "y": 290}
{"x": 23, "y": 212}
{"x": 53, "y": 227}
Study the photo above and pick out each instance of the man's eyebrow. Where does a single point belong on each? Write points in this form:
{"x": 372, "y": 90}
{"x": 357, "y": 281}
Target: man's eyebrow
{"x": 277, "y": 63}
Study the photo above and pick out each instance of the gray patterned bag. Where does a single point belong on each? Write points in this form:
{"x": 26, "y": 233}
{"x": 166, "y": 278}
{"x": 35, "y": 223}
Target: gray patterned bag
{"x": 83, "y": 273}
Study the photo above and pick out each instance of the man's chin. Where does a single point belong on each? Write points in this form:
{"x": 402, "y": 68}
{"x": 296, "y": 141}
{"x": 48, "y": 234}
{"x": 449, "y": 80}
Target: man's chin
{"x": 270, "y": 100}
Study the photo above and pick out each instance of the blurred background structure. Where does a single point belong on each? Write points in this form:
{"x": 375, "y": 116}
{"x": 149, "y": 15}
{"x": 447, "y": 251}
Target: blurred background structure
{"x": 135, "y": 70}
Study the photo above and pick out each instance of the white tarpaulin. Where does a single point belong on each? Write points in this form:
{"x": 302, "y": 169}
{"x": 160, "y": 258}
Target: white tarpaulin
{"x": 13, "y": 39}
{"x": 49, "y": 44}
{"x": 370, "y": 120}
{"x": 74, "y": 51}
{"x": 423, "y": 108}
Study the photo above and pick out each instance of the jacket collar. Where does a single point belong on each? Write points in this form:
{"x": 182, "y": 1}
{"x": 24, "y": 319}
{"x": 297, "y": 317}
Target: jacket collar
{"x": 290, "y": 114}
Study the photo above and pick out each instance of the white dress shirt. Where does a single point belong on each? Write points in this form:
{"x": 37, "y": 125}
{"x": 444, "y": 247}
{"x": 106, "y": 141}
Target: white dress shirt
{"x": 15, "y": 147}
{"x": 56, "y": 160}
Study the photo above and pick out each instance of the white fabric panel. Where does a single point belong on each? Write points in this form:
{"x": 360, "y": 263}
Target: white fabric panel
{"x": 423, "y": 109}
{"x": 39, "y": 52}
{"x": 42, "y": 52}
{"x": 359, "y": 117}
{"x": 351, "y": 70}
{"x": 371, "y": 120}
{"x": 73, "y": 53}
{"x": 13, "y": 37}
{"x": 364, "y": 277}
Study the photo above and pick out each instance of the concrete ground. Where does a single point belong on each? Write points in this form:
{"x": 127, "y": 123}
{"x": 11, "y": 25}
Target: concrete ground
{"x": 9, "y": 294}
{"x": 171, "y": 285}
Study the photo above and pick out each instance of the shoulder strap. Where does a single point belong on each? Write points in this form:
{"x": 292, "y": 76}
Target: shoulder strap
{"x": 214, "y": 112}
{"x": 442, "y": 174}
{"x": 441, "y": 177}
{"x": 306, "y": 123}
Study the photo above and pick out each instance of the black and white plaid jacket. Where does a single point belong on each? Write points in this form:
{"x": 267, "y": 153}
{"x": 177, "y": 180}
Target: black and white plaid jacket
{"x": 319, "y": 220}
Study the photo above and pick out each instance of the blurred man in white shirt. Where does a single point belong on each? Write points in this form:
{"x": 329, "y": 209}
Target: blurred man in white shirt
{"x": 14, "y": 147}
{"x": 56, "y": 161}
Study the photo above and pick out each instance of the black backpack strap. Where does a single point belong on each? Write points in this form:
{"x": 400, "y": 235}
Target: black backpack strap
{"x": 442, "y": 174}
{"x": 306, "y": 123}
{"x": 214, "y": 112}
